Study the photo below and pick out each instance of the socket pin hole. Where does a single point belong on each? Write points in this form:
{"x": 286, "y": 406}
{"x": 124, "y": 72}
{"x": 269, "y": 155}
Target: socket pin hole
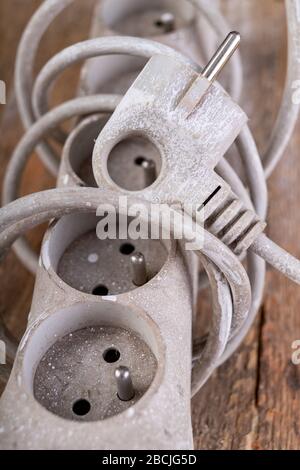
{"x": 127, "y": 249}
{"x": 159, "y": 23}
{"x": 81, "y": 407}
{"x": 111, "y": 355}
{"x": 166, "y": 22}
{"x": 140, "y": 160}
{"x": 100, "y": 290}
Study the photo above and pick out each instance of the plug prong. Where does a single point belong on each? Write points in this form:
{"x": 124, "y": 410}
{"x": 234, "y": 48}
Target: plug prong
{"x": 124, "y": 383}
{"x": 139, "y": 269}
{"x": 222, "y": 56}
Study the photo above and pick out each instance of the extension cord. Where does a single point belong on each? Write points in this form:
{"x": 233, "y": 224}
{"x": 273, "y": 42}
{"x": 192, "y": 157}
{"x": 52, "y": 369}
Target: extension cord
{"x": 228, "y": 210}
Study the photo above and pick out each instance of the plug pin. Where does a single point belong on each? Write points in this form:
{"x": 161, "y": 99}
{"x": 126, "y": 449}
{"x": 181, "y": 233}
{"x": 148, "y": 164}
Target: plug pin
{"x": 124, "y": 383}
{"x": 139, "y": 269}
{"x": 149, "y": 168}
{"x": 221, "y": 56}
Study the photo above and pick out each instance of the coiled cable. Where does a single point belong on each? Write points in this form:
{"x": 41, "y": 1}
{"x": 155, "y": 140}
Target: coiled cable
{"x": 227, "y": 322}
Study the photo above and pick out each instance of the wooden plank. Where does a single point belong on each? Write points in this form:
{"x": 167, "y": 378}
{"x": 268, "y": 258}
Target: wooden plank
{"x": 251, "y": 402}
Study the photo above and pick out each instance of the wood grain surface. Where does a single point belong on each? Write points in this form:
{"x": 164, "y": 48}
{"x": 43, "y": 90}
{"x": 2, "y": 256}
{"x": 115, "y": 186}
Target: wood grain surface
{"x": 251, "y": 402}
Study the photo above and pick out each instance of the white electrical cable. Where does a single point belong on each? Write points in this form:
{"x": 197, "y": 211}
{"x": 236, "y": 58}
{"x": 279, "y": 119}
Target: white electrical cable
{"x": 11, "y": 187}
{"x": 33, "y": 34}
{"x": 277, "y": 257}
{"x": 290, "y": 104}
{"x": 26, "y": 54}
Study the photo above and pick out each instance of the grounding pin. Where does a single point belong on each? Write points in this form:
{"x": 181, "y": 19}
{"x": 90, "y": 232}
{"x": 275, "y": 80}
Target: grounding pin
{"x": 139, "y": 269}
{"x": 167, "y": 22}
{"x": 149, "y": 168}
{"x": 124, "y": 383}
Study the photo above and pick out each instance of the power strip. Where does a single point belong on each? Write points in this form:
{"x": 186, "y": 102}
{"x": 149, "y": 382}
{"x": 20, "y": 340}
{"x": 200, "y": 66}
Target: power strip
{"x": 109, "y": 337}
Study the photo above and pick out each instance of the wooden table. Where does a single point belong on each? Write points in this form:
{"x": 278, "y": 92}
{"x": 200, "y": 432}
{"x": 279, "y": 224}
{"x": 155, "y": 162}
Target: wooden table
{"x": 251, "y": 402}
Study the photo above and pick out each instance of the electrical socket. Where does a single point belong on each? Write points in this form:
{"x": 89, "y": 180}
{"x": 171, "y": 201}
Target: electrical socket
{"x": 141, "y": 18}
{"x": 75, "y": 378}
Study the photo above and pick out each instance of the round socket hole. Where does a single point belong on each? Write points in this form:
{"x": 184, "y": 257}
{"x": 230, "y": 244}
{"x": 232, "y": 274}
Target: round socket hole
{"x": 79, "y": 354}
{"x": 81, "y": 407}
{"x": 126, "y": 163}
{"x": 111, "y": 355}
{"x": 127, "y": 249}
{"x": 100, "y": 290}
{"x": 82, "y": 249}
